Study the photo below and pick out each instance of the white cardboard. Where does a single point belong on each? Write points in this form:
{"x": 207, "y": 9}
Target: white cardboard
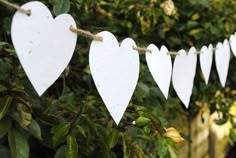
{"x": 160, "y": 66}
{"x": 115, "y": 71}
{"x": 222, "y": 59}
{"x": 184, "y": 71}
{"x": 44, "y": 45}
{"x": 206, "y": 58}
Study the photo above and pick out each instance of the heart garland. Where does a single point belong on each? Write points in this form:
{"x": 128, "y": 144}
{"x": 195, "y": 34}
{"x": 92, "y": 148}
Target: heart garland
{"x": 40, "y": 44}
{"x": 222, "y": 58}
{"x": 160, "y": 66}
{"x": 115, "y": 71}
{"x": 206, "y": 58}
{"x": 184, "y": 70}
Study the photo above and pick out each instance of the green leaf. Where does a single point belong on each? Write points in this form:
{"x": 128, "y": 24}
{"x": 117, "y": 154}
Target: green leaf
{"x": 25, "y": 115}
{"x": 5, "y": 125}
{"x": 81, "y": 130}
{"x": 2, "y": 88}
{"x": 161, "y": 147}
{"x": 59, "y": 132}
{"x": 155, "y": 122}
{"x": 61, "y": 152}
{"x": 232, "y": 122}
{"x": 172, "y": 152}
{"x": 3, "y": 44}
{"x": 221, "y": 121}
{"x": 142, "y": 121}
{"x": 61, "y": 6}
{"x": 5, "y": 70}
{"x": 126, "y": 151}
{"x": 18, "y": 144}
{"x": 5, "y": 104}
{"x": 137, "y": 150}
{"x": 142, "y": 91}
{"x": 147, "y": 129}
{"x": 72, "y": 147}
{"x": 113, "y": 138}
{"x": 35, "y": 130}
{"x": 232, "y": 135}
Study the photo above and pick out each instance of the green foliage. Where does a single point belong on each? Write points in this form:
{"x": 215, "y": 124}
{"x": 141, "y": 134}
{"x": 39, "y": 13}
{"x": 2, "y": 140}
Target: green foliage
{"x": 72, "y": 147}
{"x": 61, "y": 6}
{"x": 70, "y": 119}
{"x": 18, "y": 144}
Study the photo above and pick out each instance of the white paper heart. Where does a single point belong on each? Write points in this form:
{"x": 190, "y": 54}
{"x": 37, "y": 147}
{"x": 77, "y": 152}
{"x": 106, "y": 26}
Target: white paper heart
{"x": 44, "y": 45}
{"x": 160, "y": 66}
{"x": 184, "y": 70}
{"x": 206, "y": 58}
{"x": 233, "y": 44}
{"x": 222, "y": 58}
{"x": 115, "y": 71}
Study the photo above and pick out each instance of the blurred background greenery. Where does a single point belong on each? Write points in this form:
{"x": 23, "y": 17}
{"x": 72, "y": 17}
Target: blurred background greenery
{"x": 70, "y": 119}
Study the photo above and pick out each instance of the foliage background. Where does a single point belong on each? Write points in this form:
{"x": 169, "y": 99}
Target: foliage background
{"x": 70, "y": 119}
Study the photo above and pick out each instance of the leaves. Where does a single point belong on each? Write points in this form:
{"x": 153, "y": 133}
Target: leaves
{"x": 18, "y": 144}
{"x": 5, "y": 125}
{"x": 61, "y": 152}
{"x": 113, "y": 138}
{"x": 162, "y": 147}
{"x": 35, "y": 130}
{"x": 61, "y": 6}
{"x": 221, "y": 121}
{"x": 81, "y": 130}
{"x": 72, "y": 147}
{"x": 60, "y": 132}
{"x": 25, "y": 115}
{"x": 6, "y": 103}
{"x": 172, "y": 152}
{"x": 5, "y": 70}
{"x": 173, "y": 134}
{"x": 141, "y": 121}
{"x": 137, "y": 150}
{"x": 232, "y": 135}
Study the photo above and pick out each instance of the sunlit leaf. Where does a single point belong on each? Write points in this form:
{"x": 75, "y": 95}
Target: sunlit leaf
{"x": 113, "y": 138}
{"x": 60, "y": 132}
{"x": 72, "y": 147}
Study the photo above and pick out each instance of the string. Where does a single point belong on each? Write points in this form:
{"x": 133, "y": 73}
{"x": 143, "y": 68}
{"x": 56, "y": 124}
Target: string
{"x": 28, "y": 12}
{"x": 99, "y": 38}
{"x": 172, "y": 53}
{"x": 142, "y": 49}
{"x": 86, "y": 34}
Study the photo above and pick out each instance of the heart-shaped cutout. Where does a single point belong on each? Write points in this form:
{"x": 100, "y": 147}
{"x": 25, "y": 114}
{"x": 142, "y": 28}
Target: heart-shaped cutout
{"x": 160, "y": 66}
{"x": 115, "y": 71}
{"x": 206, "y": 58}
{"x": 232, "y": 41}
{"x": 44, "y": 45}
{"x": 222, "y": 58}
{"x": 184, "y": 70}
